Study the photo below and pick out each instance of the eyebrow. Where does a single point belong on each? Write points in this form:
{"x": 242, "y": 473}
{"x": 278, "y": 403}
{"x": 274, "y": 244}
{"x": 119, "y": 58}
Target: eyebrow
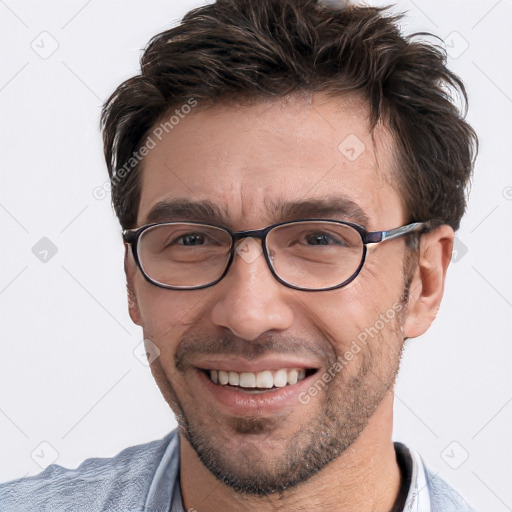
{"x": 337, "y": 207}
{"x": 334, "y": 207}
{"x": 185, "y": 209}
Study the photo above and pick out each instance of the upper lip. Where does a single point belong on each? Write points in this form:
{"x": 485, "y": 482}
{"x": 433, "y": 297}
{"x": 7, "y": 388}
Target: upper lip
{"x": 239, "y": 364}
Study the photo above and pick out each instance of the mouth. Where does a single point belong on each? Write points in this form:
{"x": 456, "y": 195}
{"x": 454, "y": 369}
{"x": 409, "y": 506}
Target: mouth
{"x": 238, "y": 387}
{"x": 258, "y": 382}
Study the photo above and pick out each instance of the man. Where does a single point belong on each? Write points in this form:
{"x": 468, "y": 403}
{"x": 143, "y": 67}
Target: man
{"x": 288, "y": 176}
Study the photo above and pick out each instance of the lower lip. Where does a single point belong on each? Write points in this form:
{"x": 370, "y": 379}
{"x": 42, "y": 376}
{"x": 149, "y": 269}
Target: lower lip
{"x": 239, "y": 402}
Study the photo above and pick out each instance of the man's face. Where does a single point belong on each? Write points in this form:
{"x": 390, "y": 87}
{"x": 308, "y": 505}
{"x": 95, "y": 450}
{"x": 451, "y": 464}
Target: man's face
{"x": 251, "y": 163}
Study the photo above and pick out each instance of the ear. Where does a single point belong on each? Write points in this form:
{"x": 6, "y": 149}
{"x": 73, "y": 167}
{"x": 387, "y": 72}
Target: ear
{"x": 130, "y": 269}
{"x": 427, "y": 285}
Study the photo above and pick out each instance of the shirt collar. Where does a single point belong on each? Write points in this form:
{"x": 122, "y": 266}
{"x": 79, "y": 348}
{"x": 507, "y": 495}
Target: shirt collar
{"x": 418, "y": 497}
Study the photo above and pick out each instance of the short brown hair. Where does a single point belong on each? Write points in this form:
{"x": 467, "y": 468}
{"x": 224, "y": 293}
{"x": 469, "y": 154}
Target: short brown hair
{"x": 270, "y": 48}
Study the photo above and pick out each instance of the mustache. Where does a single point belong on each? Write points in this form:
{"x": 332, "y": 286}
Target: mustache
{"x": 192, "y": 345}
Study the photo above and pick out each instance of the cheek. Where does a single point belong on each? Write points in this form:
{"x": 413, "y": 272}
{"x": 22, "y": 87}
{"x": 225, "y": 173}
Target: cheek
{"x": 166, "y": 314}
{"x": 368, "y": 307}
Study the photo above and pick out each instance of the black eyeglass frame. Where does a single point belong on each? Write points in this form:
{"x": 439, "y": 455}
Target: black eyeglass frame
{"x": 132, "y": 237}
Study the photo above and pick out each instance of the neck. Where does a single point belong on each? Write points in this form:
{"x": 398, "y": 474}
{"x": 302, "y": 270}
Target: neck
{"x": 365, "y": 477}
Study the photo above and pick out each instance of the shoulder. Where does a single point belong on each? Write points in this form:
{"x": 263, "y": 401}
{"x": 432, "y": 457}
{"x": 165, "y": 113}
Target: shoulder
{"x": 427, "y": 490}
{"x": 118, "y": 483}
{"x": 443, "y": 497}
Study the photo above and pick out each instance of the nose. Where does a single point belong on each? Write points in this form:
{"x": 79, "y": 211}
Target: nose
{"x": 250, "y": 300}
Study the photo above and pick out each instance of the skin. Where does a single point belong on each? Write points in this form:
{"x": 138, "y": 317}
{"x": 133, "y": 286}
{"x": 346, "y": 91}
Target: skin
{"x": 243, "y": 158}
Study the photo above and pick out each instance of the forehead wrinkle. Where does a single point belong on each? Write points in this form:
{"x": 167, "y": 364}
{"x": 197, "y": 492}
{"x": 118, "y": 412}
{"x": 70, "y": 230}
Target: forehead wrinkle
{"x": 251, "y": 205}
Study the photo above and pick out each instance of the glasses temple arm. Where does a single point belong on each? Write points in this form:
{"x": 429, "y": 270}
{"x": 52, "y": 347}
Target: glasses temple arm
{"x": 380, "y": 236}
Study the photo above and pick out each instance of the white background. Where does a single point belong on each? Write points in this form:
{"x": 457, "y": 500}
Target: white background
{"x": 69, "y": 377}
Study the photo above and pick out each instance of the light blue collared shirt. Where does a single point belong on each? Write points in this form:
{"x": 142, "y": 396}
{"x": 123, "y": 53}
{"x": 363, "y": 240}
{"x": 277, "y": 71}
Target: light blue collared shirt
{"x": 145, "y": 478}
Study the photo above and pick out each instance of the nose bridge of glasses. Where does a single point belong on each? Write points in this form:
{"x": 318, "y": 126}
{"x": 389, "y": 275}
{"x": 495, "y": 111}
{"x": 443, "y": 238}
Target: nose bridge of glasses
{"x": 258, "y": 234}
{"x": 249, "y": 243}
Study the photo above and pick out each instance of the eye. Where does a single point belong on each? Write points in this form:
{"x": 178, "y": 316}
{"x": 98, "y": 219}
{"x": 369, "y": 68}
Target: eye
{"x": 318, "y": 239}
{"x": 191, "y": 239}
{"x": 322, "y": 238}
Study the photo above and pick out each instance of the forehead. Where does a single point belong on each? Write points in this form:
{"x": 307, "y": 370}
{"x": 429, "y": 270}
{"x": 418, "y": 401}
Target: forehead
{"x": 251, "y": 160}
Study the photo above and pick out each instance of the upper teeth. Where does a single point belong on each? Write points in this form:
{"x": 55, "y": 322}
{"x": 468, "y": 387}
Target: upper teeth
{"x": 264, "y": 379}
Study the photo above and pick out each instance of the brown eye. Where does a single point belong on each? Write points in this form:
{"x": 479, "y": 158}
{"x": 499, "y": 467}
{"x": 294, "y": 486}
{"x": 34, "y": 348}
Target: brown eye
{"x": 191, "y": 239}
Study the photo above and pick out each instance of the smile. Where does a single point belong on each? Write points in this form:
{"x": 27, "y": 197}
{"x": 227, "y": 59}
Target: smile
{"x": 237, "y": 386}
{"x": 266, "y": 379}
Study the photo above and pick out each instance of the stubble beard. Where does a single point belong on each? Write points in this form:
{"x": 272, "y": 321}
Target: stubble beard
{"x": 348, "y": 403}
{"x": 343, "y": 414}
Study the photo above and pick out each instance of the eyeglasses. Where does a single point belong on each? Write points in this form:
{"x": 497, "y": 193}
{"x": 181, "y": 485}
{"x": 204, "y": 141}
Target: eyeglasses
{"x": 308, "y": 255}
